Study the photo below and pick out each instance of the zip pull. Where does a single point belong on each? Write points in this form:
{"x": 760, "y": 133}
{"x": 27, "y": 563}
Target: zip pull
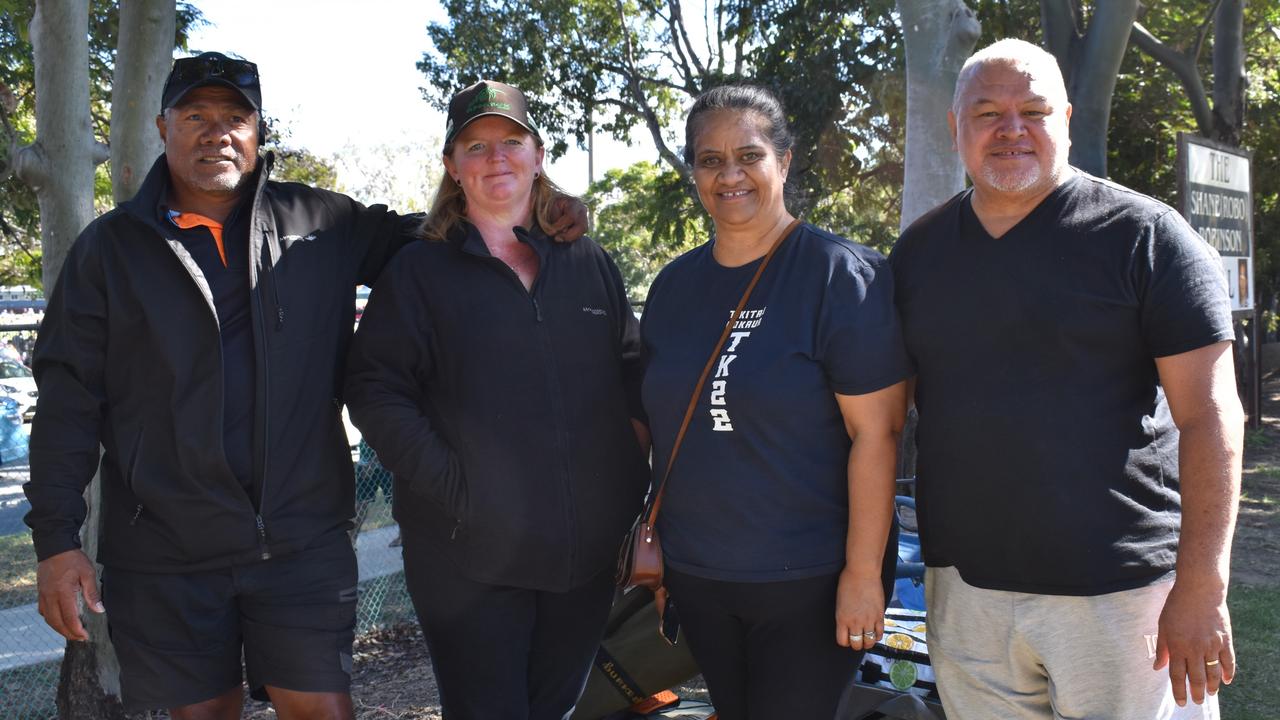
{"x": 262, "y": 535}
{"x": 279, "y": 318}
{"x": 537, "y": 310}
{"x": 136, "y": 514}
{"x": 454, "y": 534}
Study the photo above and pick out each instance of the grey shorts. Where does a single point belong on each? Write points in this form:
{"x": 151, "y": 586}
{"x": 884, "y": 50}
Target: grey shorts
{"x": 1022, "y": 656}
{"x": 180, "y": 637}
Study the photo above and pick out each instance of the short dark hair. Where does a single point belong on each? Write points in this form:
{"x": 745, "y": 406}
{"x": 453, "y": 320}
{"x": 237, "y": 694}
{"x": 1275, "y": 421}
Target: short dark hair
{"x": 746, "y": 98}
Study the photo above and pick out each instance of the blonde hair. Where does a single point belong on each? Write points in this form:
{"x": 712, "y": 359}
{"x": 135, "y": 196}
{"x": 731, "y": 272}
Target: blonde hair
{"x": 449, "y": 208}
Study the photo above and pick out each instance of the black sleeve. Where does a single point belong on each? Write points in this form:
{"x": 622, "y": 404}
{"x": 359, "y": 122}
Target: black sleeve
{"x": 375, "y": 235}
{"x": 628, "y": 342}
{"x": 69, "y": 365}
{"x": 1185, "y": 304}
{"x": 390, "y": 362}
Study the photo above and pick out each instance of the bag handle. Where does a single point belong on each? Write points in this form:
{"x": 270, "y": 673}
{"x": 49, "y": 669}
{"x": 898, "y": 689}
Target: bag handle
{"x": 702, "y": 379}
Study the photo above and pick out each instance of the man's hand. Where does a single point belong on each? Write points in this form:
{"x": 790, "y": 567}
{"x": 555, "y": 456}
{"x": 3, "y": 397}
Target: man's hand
{"x": 58, "y": 578}
{"x": 1195, "y": 641}
{"x": 568, "y": 219}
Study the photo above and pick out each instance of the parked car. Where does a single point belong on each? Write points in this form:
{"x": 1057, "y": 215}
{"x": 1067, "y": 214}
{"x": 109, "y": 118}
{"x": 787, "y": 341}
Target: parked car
{"x": 13, "y": 436}
{"x": 17, "y": 382}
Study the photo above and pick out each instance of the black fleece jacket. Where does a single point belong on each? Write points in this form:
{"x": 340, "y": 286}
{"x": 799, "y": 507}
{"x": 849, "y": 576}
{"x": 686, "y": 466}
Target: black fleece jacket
{"x": 504, "y": 414}
{"x": 129, "y": 357}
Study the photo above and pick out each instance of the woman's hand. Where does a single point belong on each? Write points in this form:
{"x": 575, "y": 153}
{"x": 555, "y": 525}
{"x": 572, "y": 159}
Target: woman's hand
{"x": 859, "y": 610}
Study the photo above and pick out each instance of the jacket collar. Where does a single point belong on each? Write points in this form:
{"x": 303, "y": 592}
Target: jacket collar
{"x": 472, "y": 243}
{"x": 156, "y": 185}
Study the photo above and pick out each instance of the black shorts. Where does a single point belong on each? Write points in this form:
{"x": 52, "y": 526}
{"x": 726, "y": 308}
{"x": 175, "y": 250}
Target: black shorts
{"x": 180, "y": 637}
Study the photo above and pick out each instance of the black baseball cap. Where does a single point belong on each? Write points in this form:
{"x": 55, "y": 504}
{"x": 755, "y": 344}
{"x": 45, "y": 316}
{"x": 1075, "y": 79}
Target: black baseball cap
{"x": 487, "y": 97}
{"x": 212, "y": 68}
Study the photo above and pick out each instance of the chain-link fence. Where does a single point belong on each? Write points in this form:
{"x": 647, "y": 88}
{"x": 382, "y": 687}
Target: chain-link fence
{"x": 30, "y": 653}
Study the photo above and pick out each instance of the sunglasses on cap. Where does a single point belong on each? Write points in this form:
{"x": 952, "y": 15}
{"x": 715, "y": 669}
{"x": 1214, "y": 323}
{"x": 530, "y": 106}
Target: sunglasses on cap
{"x": 241, "y": 73}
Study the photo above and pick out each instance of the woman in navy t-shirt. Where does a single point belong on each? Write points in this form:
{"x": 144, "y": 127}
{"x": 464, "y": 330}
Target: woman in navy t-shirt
{"x": 777, "y": 518}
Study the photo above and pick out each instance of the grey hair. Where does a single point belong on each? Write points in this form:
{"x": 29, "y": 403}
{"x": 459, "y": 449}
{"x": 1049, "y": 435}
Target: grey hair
{"x": 1019, "y": 53}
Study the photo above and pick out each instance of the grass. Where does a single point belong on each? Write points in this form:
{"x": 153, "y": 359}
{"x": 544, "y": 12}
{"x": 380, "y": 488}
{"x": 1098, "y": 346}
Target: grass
{"x": 1259, "y": 438}
{"x": 1255, "y": 617}
{"x": 17, "y": 570}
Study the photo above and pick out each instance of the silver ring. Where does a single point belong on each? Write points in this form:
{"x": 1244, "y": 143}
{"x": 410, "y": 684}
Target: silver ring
{"x": 870, "y": 634}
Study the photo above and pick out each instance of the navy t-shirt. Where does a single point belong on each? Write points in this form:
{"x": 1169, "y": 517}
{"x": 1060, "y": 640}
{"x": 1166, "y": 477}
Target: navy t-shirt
{"x": 759, "y": 491}
{"x": 1048, "y": 461}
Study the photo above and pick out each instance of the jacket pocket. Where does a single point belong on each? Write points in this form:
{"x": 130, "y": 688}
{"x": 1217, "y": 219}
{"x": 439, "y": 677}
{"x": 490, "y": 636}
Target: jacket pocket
{"x": 448, "y": 490}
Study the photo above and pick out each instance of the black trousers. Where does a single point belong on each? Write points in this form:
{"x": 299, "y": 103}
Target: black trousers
{"x": 504, "y": 652}
{"x": 767, "y": 650}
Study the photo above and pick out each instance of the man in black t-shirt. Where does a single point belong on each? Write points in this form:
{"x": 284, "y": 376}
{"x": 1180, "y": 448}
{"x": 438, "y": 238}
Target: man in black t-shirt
{"x": 1079, "y": 436}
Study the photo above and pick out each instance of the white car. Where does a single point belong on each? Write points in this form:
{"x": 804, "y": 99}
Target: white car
{"x": 16, "y": 382}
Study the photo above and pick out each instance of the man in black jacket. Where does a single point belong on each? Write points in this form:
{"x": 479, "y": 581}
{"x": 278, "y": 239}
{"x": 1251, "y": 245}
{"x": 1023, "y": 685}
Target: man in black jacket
{"x": 197, "y": 333}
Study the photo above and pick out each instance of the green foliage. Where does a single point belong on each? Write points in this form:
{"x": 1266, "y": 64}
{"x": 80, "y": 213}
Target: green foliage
{"x": 300, "y": 166}
{"x": 836, "y": 66}
{"x": 645, "y": 217}
{"x": 295, "y": 164}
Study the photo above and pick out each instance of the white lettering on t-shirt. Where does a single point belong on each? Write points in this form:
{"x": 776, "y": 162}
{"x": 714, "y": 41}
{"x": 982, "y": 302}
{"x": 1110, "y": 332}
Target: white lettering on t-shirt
{"x": 717, "y": 392}
{"x": 747, "y": 320}
{"x": 722, "y": 368}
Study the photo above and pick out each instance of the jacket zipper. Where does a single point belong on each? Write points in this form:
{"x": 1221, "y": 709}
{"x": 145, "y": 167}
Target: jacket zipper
{"x": 263, "y": 354}
{"x": 275, "y": 294}
{"x": 266, "y": 418}
{"x": 554, "y": 388}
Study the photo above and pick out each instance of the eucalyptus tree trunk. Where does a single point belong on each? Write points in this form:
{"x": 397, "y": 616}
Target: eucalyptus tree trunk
{"x": 939, "y": 36}
{"x": 1229, "y": 77}
{"x": 143, "y": 57}
{"x": 1090, "y": 62}
{"x": 59, "y": 165}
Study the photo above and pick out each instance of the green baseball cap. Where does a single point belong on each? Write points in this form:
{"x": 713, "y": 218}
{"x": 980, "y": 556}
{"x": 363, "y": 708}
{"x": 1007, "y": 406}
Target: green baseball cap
{"x": 487, "y": 97}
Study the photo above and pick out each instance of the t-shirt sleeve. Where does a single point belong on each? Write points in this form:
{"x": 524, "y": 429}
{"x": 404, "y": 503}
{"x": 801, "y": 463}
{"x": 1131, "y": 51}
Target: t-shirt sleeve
{"x": 1185, "y": 305}
{"x": 859, "y": 336}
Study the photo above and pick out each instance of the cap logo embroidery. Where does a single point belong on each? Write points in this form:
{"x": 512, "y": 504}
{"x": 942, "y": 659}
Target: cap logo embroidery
{"x": 488, "y": 99}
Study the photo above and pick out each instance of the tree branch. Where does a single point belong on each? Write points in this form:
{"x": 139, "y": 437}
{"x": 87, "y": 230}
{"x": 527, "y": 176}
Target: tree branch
{"x": 679, "y": 34}
{"x": 1203, "y": 31}
{"x": 1182, "y": 66}
{"x": 637, "y": 93}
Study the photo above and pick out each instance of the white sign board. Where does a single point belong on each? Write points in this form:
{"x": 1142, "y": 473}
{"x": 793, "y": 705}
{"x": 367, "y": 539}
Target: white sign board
{"x": 1217, "y": 201}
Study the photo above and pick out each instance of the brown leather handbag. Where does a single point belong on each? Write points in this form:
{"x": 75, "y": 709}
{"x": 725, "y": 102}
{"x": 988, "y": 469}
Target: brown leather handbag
{"x": 640, "y": 558}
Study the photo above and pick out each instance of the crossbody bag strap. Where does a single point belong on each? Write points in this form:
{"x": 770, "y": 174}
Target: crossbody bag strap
{"x": 702, "y": 379}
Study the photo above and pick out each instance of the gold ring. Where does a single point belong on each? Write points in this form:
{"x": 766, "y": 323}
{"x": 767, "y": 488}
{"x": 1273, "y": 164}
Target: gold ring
{"x": 1210, "y": 663}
